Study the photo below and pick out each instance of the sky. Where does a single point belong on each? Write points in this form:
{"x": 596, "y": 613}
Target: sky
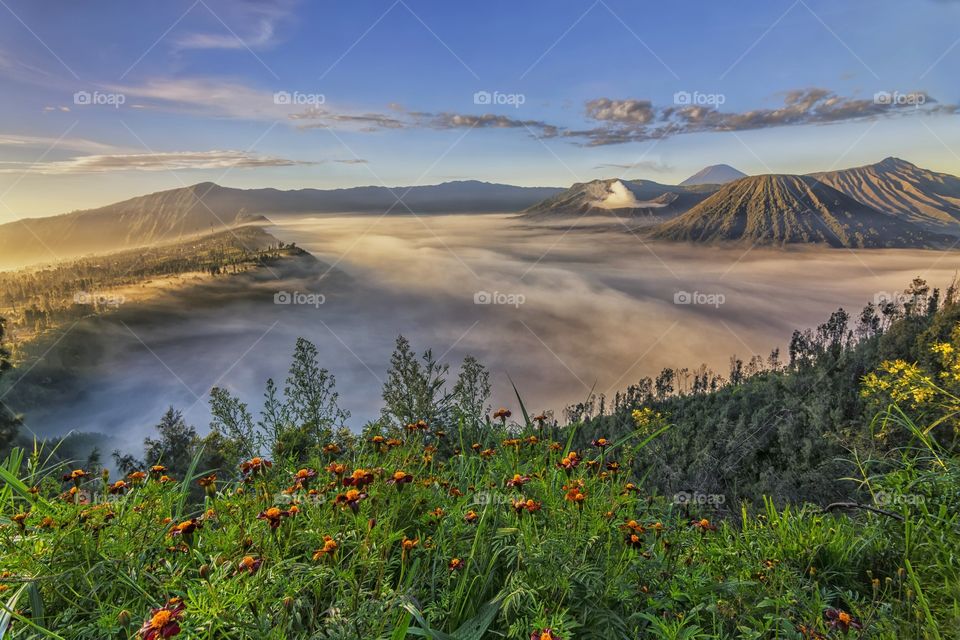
{"x": 101, "y": 101}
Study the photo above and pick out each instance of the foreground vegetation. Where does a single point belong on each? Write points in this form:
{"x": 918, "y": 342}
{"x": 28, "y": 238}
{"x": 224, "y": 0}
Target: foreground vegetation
{"x": 443, "y": 520}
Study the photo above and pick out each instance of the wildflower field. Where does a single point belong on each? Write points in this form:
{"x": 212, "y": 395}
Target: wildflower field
{"x": 445, "y": 520}
{"x": 417, "y": 535}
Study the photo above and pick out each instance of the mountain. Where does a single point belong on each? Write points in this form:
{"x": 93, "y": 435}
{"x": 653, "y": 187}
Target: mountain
{"x": 714, "y": 174}
{"x": 620, "y": 198}
{"x": 206, "y": 207}
{"x": 788, "y": 209}
{"x": 902, "y": 189}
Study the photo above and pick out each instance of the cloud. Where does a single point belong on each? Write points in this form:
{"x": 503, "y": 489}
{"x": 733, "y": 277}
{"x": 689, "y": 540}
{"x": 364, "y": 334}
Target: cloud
{"x": 621, "y": 121}
{"x": 645, "y": 165}
{"x": 172, "y": 161}
{"x": 626, "y": 111}
{"x": 47, "y": 142}
{"x": 260, "y": 20}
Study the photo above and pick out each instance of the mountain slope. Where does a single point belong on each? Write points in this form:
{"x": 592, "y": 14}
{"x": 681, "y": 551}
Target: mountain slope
{"x": 207, "y": 207}
{"x": 899, "y": 188}
{"x": 787, "y": 209}
{"x": 714, "y": 174}
{"x": 620, "y": 197}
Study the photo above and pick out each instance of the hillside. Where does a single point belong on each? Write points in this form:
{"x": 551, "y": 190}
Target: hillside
{"x": 615, "y": 197}
{"x": 902, "y": 189}
{"x": 786, "y": 209}
{"x": 714, "y": 174}
{"x": 205, "y": 207}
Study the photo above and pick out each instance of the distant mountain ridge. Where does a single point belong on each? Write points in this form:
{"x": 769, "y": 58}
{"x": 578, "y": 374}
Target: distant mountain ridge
{"x": 778, "y": 210}
{"x": 714, "y": 174}
{"x": 633, "y": 198}
{"x": 207, "y": 207}
{"x": 900, "y": 188}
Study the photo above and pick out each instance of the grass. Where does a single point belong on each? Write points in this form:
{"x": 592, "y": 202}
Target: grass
{"x": 98, "y": 565}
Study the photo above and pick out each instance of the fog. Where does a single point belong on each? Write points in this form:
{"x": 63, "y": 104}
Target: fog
{"x": 561, "y": 310}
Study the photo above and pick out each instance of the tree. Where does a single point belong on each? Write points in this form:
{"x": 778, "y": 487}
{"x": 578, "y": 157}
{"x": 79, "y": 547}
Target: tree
{"x": 472, "y": 391}
{"x": 233, "y": 423}
{"x": 414, "y": 389}
{"x": 307, "y": 413}
{"x": 176, "y": 445}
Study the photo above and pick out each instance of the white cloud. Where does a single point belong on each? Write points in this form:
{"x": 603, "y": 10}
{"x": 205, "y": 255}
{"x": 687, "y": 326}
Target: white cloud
{"x": 247, "y": 24}
{"x": 178, "y": 160}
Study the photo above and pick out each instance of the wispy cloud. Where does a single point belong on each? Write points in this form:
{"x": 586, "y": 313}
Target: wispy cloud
{"x": 244, "y": 24}
{"x": 153, "y": 162}
{"x": 83, "y": 145}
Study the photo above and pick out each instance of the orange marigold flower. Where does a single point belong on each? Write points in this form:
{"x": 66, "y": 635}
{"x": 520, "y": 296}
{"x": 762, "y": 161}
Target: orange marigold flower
{"x": 76, "y": 475}
{"x": 576, "y": 496}
{"x": 329, "y": 548}
{"x": 511, "y": 442}
{"x": 419, "y": 425}
{"x": 337, "y": 468}
{"x": 532, "y": 440}
{"x": 248, "y": 565}
{"x": 209, "y": 483}
{"x": 488, "y": 453}
{"x": 839, "y": 619}
{"x": 351, "y": 499}
{"x": 359, "y": 479}
{"x": 613, "y": 466}
{"x": 137, "y": 476}
{"x": 333, "y": 447}
{"x": 118, "y": 487}
{"x": 158, "y": 469}
{"x": 476, "y": 446}
{"x": 630, "y": 488}
{"x": 394, "y": 442}
{"x": 704, "y": 525}
{"x": 438, "y": 513}
{"x": 569, "y": 462}
{"x": 502, "y": 414}
{"x": 163, "y": 622}
{"x": 165, "y": 480}
{"x": 409, "y": 544}
{"x": 545, "y": 634}
{"x": 635, "y": 541}
{"x": 456, "y": 564}
{"x": 47, "y": 522}
{"x": 633, "y": 525}
{"x": 378, "y": 439}
{"x": 555, "y": 446}
{"x": 20, "y": 520}
{"x": 455, "y": 492}
{"x": 600, "y": 443}
{"x": 518, "y": 480}
{"x": 255, "y": 465}
{"x": 400, "y": 478}
{"x": 471, "y": 517}
{"x": 528, "y": 505}
{"x": 273, "y": 515}
{"x": 186, "y": 528}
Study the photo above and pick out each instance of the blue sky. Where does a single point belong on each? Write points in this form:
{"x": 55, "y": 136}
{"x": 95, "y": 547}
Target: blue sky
{"x": 384, "y": 92}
